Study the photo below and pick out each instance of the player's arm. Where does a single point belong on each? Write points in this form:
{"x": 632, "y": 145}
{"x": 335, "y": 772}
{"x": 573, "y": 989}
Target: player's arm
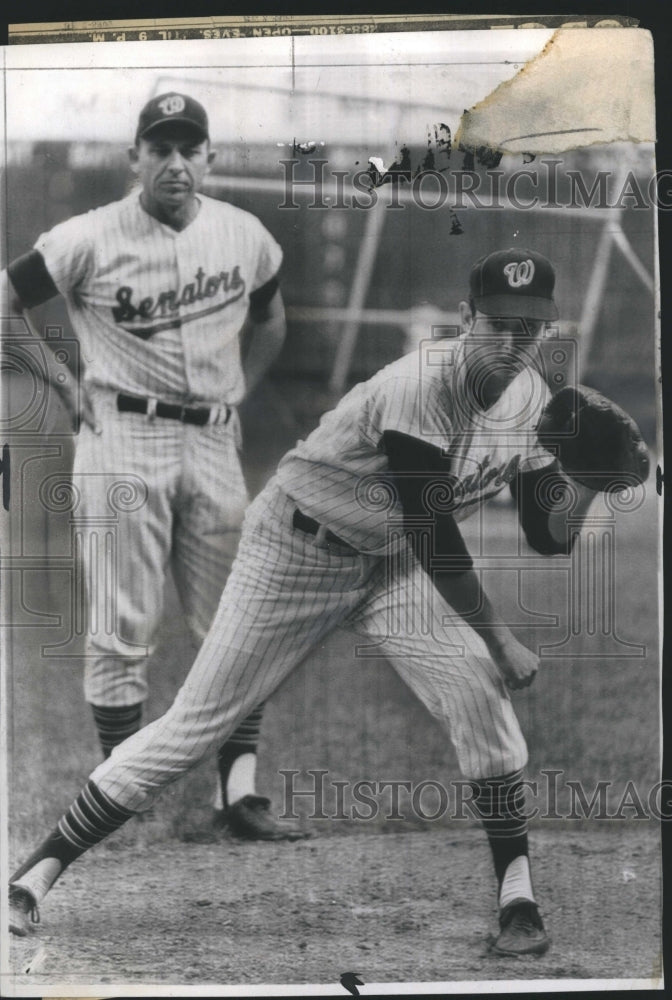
{"x": 416, "y": 468}
{"x": 24, "y": 285}
{"x": 543, "y": 512}
{"x": 264, "y": 332}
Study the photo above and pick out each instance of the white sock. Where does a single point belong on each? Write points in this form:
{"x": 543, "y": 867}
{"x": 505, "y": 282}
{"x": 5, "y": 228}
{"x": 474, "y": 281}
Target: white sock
{"x": 241, "y": 777}
{"x": 218, "y": 798}
{"x": 516, "y": 883}
{"x": 40, "y": 878}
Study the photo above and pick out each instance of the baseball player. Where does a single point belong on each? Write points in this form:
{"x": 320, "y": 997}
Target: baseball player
{"x": 360, "y": 528}
{"x": 174, "y": 297}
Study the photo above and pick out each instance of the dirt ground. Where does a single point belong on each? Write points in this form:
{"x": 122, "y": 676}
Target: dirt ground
{"x": 409, "y": 907}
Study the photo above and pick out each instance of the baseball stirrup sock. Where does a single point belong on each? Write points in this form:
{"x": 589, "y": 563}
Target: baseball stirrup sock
{"x": 500, "y": 804}
{"x": 116, "y": 724}
{"x": 90, "y": 818}
{"x": 236, "y": 782}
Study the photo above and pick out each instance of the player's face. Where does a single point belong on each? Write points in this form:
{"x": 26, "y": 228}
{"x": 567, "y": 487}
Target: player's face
{"x": 170, "y": 163}
{"x": 496, "y": 350}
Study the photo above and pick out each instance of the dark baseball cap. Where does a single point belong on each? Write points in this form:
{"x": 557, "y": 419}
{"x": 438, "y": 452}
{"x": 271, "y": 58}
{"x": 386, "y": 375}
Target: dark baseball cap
{"x": 514, "y": 282}
{"x": 172, "y": 107}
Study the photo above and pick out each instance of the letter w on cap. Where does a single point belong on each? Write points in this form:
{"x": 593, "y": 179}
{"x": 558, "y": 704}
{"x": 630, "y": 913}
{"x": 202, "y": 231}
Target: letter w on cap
{"x": 519, "y": 272}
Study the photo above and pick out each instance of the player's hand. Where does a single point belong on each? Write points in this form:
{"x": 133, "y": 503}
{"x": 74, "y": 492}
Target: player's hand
{"x": 517, "y": 664}
{"x": 77, "y": 405}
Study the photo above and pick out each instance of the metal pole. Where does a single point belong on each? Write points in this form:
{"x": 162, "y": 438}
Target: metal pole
{"x": 360, "y": 287}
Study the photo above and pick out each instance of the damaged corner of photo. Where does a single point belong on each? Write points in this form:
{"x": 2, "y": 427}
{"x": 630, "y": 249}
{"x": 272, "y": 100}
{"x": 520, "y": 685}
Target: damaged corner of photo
{"x": 331, "y": 459}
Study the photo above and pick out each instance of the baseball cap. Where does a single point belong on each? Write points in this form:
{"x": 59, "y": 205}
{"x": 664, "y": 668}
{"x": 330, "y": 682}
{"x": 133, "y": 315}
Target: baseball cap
{"x": 172, "y": 107}
{"x": 514, "y": 282}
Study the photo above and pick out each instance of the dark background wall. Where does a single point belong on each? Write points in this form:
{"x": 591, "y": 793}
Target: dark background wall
{"x": 420, "y": 259}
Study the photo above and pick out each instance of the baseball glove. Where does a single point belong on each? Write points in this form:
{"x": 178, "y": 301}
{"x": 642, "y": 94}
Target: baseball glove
{"x": 597, "y": 443}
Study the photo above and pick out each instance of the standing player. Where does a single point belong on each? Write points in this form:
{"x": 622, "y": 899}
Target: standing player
{"x": 359, "y": 522}
{"x": 165, "y": 289}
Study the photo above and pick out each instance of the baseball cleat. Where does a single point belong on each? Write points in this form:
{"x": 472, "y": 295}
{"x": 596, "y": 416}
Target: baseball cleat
{"x": 250, "y": 819}
{"x": 23, "y": 911}
{"x": 521, "y": 930}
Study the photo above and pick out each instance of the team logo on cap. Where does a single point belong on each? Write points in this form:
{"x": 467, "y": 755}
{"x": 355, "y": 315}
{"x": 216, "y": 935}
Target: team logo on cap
{"x": 172, "y": 105}
{"x": 519, "y": 272}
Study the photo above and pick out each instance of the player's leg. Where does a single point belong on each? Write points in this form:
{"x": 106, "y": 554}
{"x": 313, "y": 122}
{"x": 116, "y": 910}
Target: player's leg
{"x": 449, "y": 668}
{"x": 124, "y": 478}
{"x": 209, "y": 510}
{"x": 90, "y": 818}
{"x": 283, "y": 596}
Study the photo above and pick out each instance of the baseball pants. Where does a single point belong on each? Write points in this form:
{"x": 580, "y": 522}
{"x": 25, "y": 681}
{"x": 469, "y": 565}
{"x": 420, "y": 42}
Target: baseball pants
{"x": 166, "y": 493}
{"x": 286, "y": 592}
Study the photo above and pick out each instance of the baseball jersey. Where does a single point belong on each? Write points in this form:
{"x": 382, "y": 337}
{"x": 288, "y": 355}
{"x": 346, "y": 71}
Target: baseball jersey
{"x": 337, "y": 474}
{"x": 157, "y": 311}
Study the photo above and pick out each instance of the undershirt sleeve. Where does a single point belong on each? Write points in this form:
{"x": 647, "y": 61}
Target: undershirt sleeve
{"x": 529, "y": 488}
{"x": 269, "y": 258}
{"x": 417, "y": 468}
{"x": 260, "y": 297}
{"x": 31, "y": 279}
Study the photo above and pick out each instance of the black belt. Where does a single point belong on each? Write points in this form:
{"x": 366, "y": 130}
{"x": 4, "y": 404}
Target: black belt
{"x": 199, "y": 415}
{"x": 311, "y": 527}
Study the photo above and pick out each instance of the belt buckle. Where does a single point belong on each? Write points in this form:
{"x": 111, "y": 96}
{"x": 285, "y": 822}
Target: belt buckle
{"x": 152, "y": 404}
{"x": 219, "y": 415}
{"x": 183, "y": 412}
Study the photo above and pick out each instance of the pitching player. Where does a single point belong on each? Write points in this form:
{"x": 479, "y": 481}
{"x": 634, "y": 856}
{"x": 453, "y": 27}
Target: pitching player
{"x": 174, "y": 297}
{"x": 360, "y": 528}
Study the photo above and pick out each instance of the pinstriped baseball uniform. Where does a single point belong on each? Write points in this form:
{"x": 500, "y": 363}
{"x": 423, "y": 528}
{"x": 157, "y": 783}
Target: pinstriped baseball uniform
{"x": 158, "y": 313}
{"x": 289, "y": 587}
